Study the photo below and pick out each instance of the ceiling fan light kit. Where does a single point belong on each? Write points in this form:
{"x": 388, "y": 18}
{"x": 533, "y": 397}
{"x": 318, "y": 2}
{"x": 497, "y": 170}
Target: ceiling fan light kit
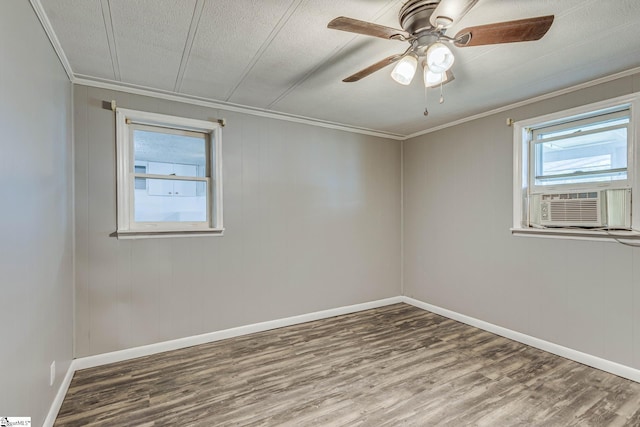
{"x": 424, "y": 24}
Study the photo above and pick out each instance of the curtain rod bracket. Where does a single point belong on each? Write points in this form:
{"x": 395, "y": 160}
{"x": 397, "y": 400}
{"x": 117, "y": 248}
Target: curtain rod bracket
{"x": 222, "y": 122}
{"x": 510, "y": 121}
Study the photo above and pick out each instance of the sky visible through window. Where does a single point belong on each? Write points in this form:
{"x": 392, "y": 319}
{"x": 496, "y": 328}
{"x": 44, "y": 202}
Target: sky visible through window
{"x": 592, "y": 153}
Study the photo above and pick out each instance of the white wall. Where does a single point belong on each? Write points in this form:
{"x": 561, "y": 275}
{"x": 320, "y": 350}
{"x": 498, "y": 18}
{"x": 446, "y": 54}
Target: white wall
{"x": 36, "y": 290}
{"x": 459, "y": 253}
{"x": 312, "y": 220}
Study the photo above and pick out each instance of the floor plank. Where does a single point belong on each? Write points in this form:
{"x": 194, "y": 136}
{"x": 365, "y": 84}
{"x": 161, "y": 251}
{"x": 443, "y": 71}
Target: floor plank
{"x": 390, "y": 366}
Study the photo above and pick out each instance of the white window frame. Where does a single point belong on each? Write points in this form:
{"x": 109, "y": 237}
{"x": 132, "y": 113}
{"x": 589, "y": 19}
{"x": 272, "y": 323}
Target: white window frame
{"x": 127, "y": 227}
{"x": 522, "y": 163}
{"x": 593, "y": 118}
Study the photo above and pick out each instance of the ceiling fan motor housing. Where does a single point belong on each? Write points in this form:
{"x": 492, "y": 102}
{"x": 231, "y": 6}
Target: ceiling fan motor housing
{"x": 414, "y": 15}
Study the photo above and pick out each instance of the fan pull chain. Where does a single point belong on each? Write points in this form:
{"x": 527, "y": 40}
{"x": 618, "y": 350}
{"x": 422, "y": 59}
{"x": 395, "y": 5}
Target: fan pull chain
{"x": 426, "y": 111}
{"x": 441, "y": 93}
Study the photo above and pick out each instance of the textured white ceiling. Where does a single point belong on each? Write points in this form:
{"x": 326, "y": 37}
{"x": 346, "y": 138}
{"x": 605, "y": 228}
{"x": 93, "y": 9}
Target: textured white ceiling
{"x": 279, "y": 55}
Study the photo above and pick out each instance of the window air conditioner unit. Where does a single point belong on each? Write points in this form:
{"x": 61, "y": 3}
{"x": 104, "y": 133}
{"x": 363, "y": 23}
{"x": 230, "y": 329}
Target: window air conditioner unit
{"x": 589, "y": 209}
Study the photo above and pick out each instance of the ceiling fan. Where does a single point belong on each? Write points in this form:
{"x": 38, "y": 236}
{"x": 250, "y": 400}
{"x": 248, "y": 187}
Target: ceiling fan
{"x": 424, "y": 24}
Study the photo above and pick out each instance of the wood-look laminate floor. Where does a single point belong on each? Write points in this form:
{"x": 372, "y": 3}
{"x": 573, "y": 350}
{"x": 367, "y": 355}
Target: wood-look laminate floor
{"x": 393, "y": 366}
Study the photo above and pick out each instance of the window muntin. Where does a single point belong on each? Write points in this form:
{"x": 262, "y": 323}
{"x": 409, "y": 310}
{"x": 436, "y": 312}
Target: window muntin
{"x": 169, "y": 174}
{"x": 581, "y": 151}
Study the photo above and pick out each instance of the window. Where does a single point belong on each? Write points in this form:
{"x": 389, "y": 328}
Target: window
{"x": 574, "y": 169}
{"x": 584, "y": 151}
{"x": 169, "y": 175}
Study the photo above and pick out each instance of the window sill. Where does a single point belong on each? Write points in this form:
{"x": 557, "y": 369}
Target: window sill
{"x": 160, "y": 234}
{"x": 578, "y": 234}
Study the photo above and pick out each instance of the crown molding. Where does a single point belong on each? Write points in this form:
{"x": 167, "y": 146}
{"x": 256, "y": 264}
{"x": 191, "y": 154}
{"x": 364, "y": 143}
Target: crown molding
{"x": 48, "y": 29}
{"x": 549, "y": 95}
{"x": 80, "y": 79}
{"x": 261, "y": 112}
{"x": 189, "y": 99}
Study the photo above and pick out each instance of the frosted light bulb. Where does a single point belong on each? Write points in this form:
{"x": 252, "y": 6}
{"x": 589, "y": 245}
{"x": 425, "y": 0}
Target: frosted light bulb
{"x": 432, "y": 79}
{"x": 439, "y": 57}
{"x": 404, "y": 71}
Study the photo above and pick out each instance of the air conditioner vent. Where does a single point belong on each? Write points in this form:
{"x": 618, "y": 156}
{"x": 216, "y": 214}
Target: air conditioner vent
{"x": 574, "y": 210}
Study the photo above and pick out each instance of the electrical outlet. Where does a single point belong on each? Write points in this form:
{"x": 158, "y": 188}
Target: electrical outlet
{"x": 52, "y": 373}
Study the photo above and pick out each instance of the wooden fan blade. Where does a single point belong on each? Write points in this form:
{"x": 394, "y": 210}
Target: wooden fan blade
{"x": 373, "y": 68}
{"x": 351, "y": 25}
{"x": 448, "y": 12}
{"x": 505, "y": 32}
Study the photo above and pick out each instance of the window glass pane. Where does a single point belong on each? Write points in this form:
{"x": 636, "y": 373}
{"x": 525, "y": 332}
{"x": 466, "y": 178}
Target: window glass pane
{"x": 167, "y": 200}
{"x": 181, "y": 154}
{"x": 594, "y": 157}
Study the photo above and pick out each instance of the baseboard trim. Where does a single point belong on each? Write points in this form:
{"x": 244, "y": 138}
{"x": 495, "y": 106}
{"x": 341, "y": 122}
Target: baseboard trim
{"x": 57, "y": 401}
{"x": 147, "y": 350}
{"x": 568, "y": 353}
